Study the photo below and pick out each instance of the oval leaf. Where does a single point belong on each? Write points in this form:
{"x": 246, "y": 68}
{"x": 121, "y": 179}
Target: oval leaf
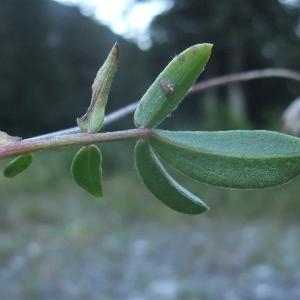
{"x": 162, "y": 185}
{"x": 171, "y": 86}
{"x": 86, "y": 169}
{"x": 18, "y": 165}
{"x": 237, "y": 159}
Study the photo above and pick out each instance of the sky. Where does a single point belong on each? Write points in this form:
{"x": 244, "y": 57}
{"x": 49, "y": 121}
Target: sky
{"x": 124, "y": 17}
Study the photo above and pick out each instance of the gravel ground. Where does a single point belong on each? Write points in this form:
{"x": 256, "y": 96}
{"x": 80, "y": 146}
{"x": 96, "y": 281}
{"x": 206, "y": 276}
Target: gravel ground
{"x": 56, "y": 243}
{"x": 107, "y": 258}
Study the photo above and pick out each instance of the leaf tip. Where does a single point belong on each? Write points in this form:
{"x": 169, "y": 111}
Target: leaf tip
{"x": 202, "y": 50}
{"x": 209, "y": 47}
{"x": 116, "y": 51}
{"x": 98, "y": 195}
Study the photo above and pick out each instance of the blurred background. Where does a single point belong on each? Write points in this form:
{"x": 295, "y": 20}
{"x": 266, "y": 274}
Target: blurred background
{"x": 57, "y": 242}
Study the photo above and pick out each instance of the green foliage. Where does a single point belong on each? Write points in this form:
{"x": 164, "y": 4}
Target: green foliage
{"x": 162, "y": 185}
{"x": 92, "y": 121}
{"x": 171, "y": 86}
{"x": 18, "y": 165}
{"x": 235, "y": 159}
{"x": 86, "y": 169}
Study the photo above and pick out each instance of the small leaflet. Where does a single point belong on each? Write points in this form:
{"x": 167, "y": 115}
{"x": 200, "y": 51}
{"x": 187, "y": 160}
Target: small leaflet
{"x": 18, "y": 165}
{"x": 171, "y": 86}
{"x": 86, "y": 169}
{"x": 162, "y": 185}
{"x": 92, "y": 121}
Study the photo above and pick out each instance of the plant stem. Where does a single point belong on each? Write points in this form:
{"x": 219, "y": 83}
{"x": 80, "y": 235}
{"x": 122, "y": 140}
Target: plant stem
{"x": 245, "y": 76}
{"x": 80, "y": 139}
{"x": 198, "y": 87}
{"x": 110, "y": 118}
{"x": 72, "y": 137}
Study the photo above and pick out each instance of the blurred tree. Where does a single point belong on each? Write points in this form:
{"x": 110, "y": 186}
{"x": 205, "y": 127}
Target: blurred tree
{"x": 49, "y": 56}
{"x": 247, "y": 35}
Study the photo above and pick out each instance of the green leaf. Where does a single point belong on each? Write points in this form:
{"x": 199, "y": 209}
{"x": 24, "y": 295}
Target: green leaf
{"x": 5, "y": 138}
{"x": 237, "y": 159}
{"x": 86, "y": 169}
{"x": 92, "y": 121}
{"x": 162, "y": 185}
{"x": 18, "y": 165}
{"x": 171, "y": 86}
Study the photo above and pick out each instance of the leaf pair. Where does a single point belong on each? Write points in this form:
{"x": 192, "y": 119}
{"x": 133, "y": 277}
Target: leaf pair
{"x": 235, "y": 159}
{"x": 86, "y": 165}
{"x": 163, "y": 96}
{"x": 86, "y": 168}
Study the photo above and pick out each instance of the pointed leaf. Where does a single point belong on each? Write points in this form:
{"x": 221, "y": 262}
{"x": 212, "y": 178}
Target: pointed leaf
{"x": 5, "y": 138}
{"x": 18, "y": 165}
{"x": 86, "y": 169}
{"x": 171, "y": 86}
{"x": 92, "y": 121}
{"x": 237, "y": 159}
{"x": 162, "y": 185}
